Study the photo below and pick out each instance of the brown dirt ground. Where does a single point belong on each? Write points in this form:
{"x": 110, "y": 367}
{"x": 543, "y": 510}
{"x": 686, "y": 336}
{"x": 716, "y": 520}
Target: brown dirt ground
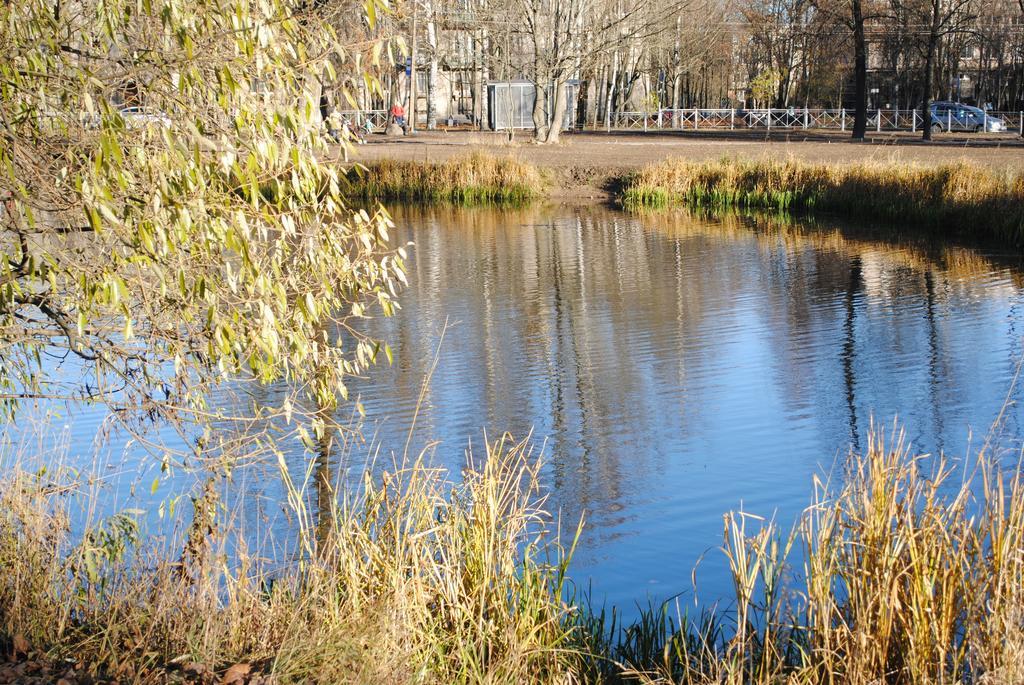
{"x": 584, "y": 164}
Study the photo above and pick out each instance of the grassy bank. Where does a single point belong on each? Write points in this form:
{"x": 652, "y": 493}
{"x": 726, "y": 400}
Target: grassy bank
{"x": 477, "y": 178}
{"x": 410, "y": 579}
{"x": 958, "y": 199}
{"x": 911, "y": 571}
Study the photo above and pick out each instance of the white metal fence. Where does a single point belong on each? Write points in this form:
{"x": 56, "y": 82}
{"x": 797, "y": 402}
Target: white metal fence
{"x": 377, "y": 117}
{"x": 789, "y": 119}
{"x": 804, "y": 119}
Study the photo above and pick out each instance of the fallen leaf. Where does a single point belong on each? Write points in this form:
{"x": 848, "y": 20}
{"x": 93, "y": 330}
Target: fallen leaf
{"x": 21, "y": 645}
{"x": 236, "y": 674}
{"x": 195, "y": 668}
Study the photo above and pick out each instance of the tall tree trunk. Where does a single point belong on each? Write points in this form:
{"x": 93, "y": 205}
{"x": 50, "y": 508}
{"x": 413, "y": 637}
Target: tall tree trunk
{"x": 474, "y": 80}
{"x": 558, "y": 111}
{"x": 860, "y": 66}
{"x": 612, "y": 80}
{"x": 581, "y": 104}
{"x": 540, "y": 124}
{"x": 485, "y": 76}
{"x": 929, "y": 67}
{"x": 432, "y": 68}
{"x": 392, "y": 99}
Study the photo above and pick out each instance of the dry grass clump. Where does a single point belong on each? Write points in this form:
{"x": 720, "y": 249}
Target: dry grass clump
{"x": 477, "y": 178}
{"x": 912, "y": 572}
{"x": 414, "y": 578}
{"x": 904, "y": 569}
{"x": 959, "y": 198}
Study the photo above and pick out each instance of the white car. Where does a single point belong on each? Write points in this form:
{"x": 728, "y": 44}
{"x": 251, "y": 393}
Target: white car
{"x": 140, "y": 117}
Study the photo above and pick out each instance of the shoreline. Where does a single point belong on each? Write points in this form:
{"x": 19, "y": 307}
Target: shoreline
{"x": 955, "y": 198}
{"x": 585, "y": 165}
{"x": 475, "y": 575}
{"x": 404, "y": 603}
{"x": 581, "y": 158}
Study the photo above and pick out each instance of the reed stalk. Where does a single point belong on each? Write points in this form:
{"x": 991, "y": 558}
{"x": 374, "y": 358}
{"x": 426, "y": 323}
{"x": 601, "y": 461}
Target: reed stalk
{"x": 474, "y": 179}
{"x": 956, "y": 199}
{"x": 418, "y": 578}
{"x": 911, "y": 573}
{"x": 903, "y": 569}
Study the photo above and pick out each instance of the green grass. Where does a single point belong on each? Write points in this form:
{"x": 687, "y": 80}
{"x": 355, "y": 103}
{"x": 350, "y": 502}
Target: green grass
{"x": 474, "y": 179}
{"x": 951, "y": 200}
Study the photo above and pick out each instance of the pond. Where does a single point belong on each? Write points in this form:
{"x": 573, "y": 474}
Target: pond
{"x": 680, "y": 367}
{"x": 674, "y": 368}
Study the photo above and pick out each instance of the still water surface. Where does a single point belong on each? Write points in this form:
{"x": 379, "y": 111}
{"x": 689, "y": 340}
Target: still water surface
{"x": 679, "y": 368}
{"x": 676, "y": 367}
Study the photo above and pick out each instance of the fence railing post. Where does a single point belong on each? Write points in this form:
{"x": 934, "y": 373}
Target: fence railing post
{"x": 878, "y": 121}
{"x": 896, "y": 120}
{"x": 696, "y": 118}
{"x": 949, "y": 120}
{"x": 913, "y": 121}
{"x": 769, "y": 118}
{"x": 1022, "y": 123}
{"x": 659, "y": 117}
{"x": 645, "y": 122}
{"x": 805, "y": 118}
{"x": 984, "y": 122}
{"x": 732, "y": 119}
{"x": 842, "y": 119}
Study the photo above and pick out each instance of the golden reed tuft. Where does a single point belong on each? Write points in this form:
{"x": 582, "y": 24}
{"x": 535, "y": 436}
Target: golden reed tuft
{"x": 904, "y": 569}
{"x": 477, "y": 178}
{"x": 951, "y": 200}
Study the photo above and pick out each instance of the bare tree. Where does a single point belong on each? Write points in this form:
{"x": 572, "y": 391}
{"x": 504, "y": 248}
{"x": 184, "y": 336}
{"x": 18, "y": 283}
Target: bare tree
{"x": 857, "y": 15}
{"x": 942, "y": 18}
{"x": 629, "y": 54}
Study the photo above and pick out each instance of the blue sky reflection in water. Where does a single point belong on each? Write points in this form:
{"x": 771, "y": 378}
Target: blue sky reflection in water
{"x": 679, "y": 368}
{"x": 674, "y": 367}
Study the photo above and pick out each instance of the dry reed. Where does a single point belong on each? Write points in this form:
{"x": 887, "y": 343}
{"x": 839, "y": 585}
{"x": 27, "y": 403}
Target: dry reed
{"x": 912, "y": 571}
{"x": 477, "y": 178}
{"x": 904, "y": 569}
{"x": 955, "y": 199}
{"x": 414, "y": 578}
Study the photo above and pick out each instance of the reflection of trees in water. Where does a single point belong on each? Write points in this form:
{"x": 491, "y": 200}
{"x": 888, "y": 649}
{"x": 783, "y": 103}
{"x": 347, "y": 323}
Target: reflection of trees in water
{"x": 850, "y": 347}
{"x": 814, "y": 265}
{"x": 606, "y": 331}
{"x": 325, "y": 485}
{"x": 934, "y": 358}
